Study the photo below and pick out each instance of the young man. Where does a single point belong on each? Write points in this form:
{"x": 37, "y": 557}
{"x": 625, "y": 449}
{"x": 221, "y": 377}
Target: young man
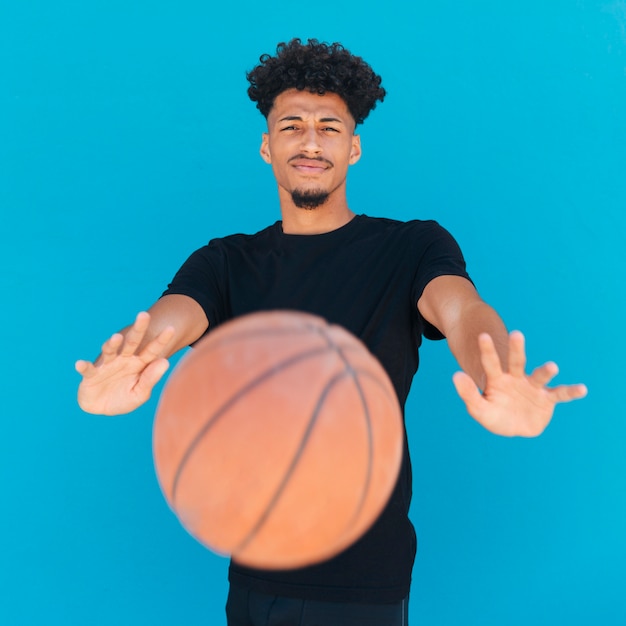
{"x": 386, "y": 281}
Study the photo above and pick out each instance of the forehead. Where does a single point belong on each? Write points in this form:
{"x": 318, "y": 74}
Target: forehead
{"x": 296, "y": 103}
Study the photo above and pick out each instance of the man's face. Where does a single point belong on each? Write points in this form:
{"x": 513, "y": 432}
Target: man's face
{"x": 310, "y": 143}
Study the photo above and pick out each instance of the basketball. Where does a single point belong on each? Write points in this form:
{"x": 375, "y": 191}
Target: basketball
{"x": 278, "y": 439}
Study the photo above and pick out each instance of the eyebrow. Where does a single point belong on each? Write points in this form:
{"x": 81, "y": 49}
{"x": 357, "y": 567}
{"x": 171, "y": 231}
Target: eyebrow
{"x": 297, "y": 118}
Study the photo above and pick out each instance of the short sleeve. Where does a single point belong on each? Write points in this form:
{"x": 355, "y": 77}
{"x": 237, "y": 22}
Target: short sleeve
{"x": 438, "y": 255}
{"x": 201, "y": 277}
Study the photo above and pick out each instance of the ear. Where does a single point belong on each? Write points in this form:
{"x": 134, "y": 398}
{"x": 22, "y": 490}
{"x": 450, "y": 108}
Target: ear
{"x": 265, "y": 148}
{"x": 355, "y": 151}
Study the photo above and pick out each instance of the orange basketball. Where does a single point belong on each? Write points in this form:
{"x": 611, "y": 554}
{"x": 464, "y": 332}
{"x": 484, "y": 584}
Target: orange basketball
{"x": 278, "y": 439}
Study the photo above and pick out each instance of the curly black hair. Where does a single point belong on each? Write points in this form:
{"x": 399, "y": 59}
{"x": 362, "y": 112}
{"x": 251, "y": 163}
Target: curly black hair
{"x": 318, "y": 68}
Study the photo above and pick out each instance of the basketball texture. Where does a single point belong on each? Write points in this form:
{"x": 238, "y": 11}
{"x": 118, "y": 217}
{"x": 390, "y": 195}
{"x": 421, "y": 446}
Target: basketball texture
{"x": 278, "y": 439}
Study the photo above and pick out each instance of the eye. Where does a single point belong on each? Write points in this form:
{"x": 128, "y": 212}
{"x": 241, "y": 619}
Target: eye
{"x": 330, "y": 129}
{"x": 289, "y": 128}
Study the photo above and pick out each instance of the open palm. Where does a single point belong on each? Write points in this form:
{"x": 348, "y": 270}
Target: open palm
{"x": 513, "y": 403}
{"x": 123, "y": 377}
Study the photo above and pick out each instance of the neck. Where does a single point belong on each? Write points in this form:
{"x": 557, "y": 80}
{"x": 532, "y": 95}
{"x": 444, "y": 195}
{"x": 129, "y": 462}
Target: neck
{"x": 331, "y": 215}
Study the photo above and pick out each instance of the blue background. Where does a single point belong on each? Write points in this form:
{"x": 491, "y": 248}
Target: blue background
{"x": 127, "y": 141}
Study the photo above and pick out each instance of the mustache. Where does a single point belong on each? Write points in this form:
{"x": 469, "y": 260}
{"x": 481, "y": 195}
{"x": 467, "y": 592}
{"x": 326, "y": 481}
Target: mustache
{"x": 309, "y": 158}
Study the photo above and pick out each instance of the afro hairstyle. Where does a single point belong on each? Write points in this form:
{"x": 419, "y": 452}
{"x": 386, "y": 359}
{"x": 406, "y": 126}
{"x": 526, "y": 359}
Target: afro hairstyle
{"x": 318, "y": 68}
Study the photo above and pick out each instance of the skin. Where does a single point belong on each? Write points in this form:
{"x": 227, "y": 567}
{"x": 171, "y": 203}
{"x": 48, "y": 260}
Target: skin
{"x": 310, "y": 144}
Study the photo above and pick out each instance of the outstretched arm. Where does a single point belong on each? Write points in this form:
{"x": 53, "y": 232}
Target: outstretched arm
{"x": 134, "y": 360}
{"x": 512, "y": 402}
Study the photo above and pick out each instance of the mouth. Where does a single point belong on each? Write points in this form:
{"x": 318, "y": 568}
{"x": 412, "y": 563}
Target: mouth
{"x": 310, "y": 166}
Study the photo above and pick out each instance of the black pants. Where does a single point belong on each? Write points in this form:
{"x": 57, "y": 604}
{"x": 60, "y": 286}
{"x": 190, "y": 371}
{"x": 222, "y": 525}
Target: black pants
{"x": 249, "y": 608}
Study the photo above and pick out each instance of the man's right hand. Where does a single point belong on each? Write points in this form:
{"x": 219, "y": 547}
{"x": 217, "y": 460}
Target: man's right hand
{"x": 123, "y": 376}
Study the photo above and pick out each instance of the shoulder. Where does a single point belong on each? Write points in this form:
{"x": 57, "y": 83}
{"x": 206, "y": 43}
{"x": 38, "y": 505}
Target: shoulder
{"x": 402, "y": 226}
{"x": 244, "y": 239}
{"x": 214, "y": 255}
{"x": 415, "y": 232}
{"x": 218, "y": 249}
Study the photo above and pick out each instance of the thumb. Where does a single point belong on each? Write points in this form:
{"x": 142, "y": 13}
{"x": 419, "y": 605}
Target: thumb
{"x": 468, "y": 391}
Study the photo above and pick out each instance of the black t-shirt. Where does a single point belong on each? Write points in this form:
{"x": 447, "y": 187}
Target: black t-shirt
{"x": 366, "y": 276}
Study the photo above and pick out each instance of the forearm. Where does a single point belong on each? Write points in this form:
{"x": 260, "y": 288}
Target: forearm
{"x": 476, "y": 318}
{"x": 180, "y": 312}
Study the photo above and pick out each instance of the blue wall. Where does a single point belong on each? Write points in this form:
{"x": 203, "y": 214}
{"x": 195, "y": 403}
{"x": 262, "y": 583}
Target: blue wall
{"x": 127, "y": 140}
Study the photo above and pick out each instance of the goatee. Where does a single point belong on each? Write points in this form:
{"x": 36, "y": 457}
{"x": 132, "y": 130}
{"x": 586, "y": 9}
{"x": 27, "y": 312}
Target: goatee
{"x": 309, "y": 198}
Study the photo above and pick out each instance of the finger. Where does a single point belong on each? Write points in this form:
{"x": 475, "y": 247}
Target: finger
{"x": 489, "y": 357}
{"x": 135, "y": 334}
{"x": 151, "y": 376}
{"x": 84, "y": 368}
{"x": 111, "y": 347}
{"x": 155, "y": 348}
{"x": 542, "y": 375}
{"x": 469, "y": 393}
{"x": 567, "y": 393}
{"x": 517, "y": 354}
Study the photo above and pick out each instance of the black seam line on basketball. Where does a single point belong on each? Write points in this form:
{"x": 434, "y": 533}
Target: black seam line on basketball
{"x": 230, "y": 402}
{"x": 370, "y": 440}
{"x": 368, "y": 422}
{"x": 358, "y": 373}
{"x": 340, "y": 350}
{"x": 294, "y": 463}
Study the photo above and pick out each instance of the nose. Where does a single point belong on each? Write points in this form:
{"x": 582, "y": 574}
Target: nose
{"x": 310, "y": 142}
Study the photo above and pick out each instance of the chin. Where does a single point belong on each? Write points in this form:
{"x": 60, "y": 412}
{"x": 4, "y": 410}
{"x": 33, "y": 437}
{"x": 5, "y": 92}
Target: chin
{"x": 309, "y": 198}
